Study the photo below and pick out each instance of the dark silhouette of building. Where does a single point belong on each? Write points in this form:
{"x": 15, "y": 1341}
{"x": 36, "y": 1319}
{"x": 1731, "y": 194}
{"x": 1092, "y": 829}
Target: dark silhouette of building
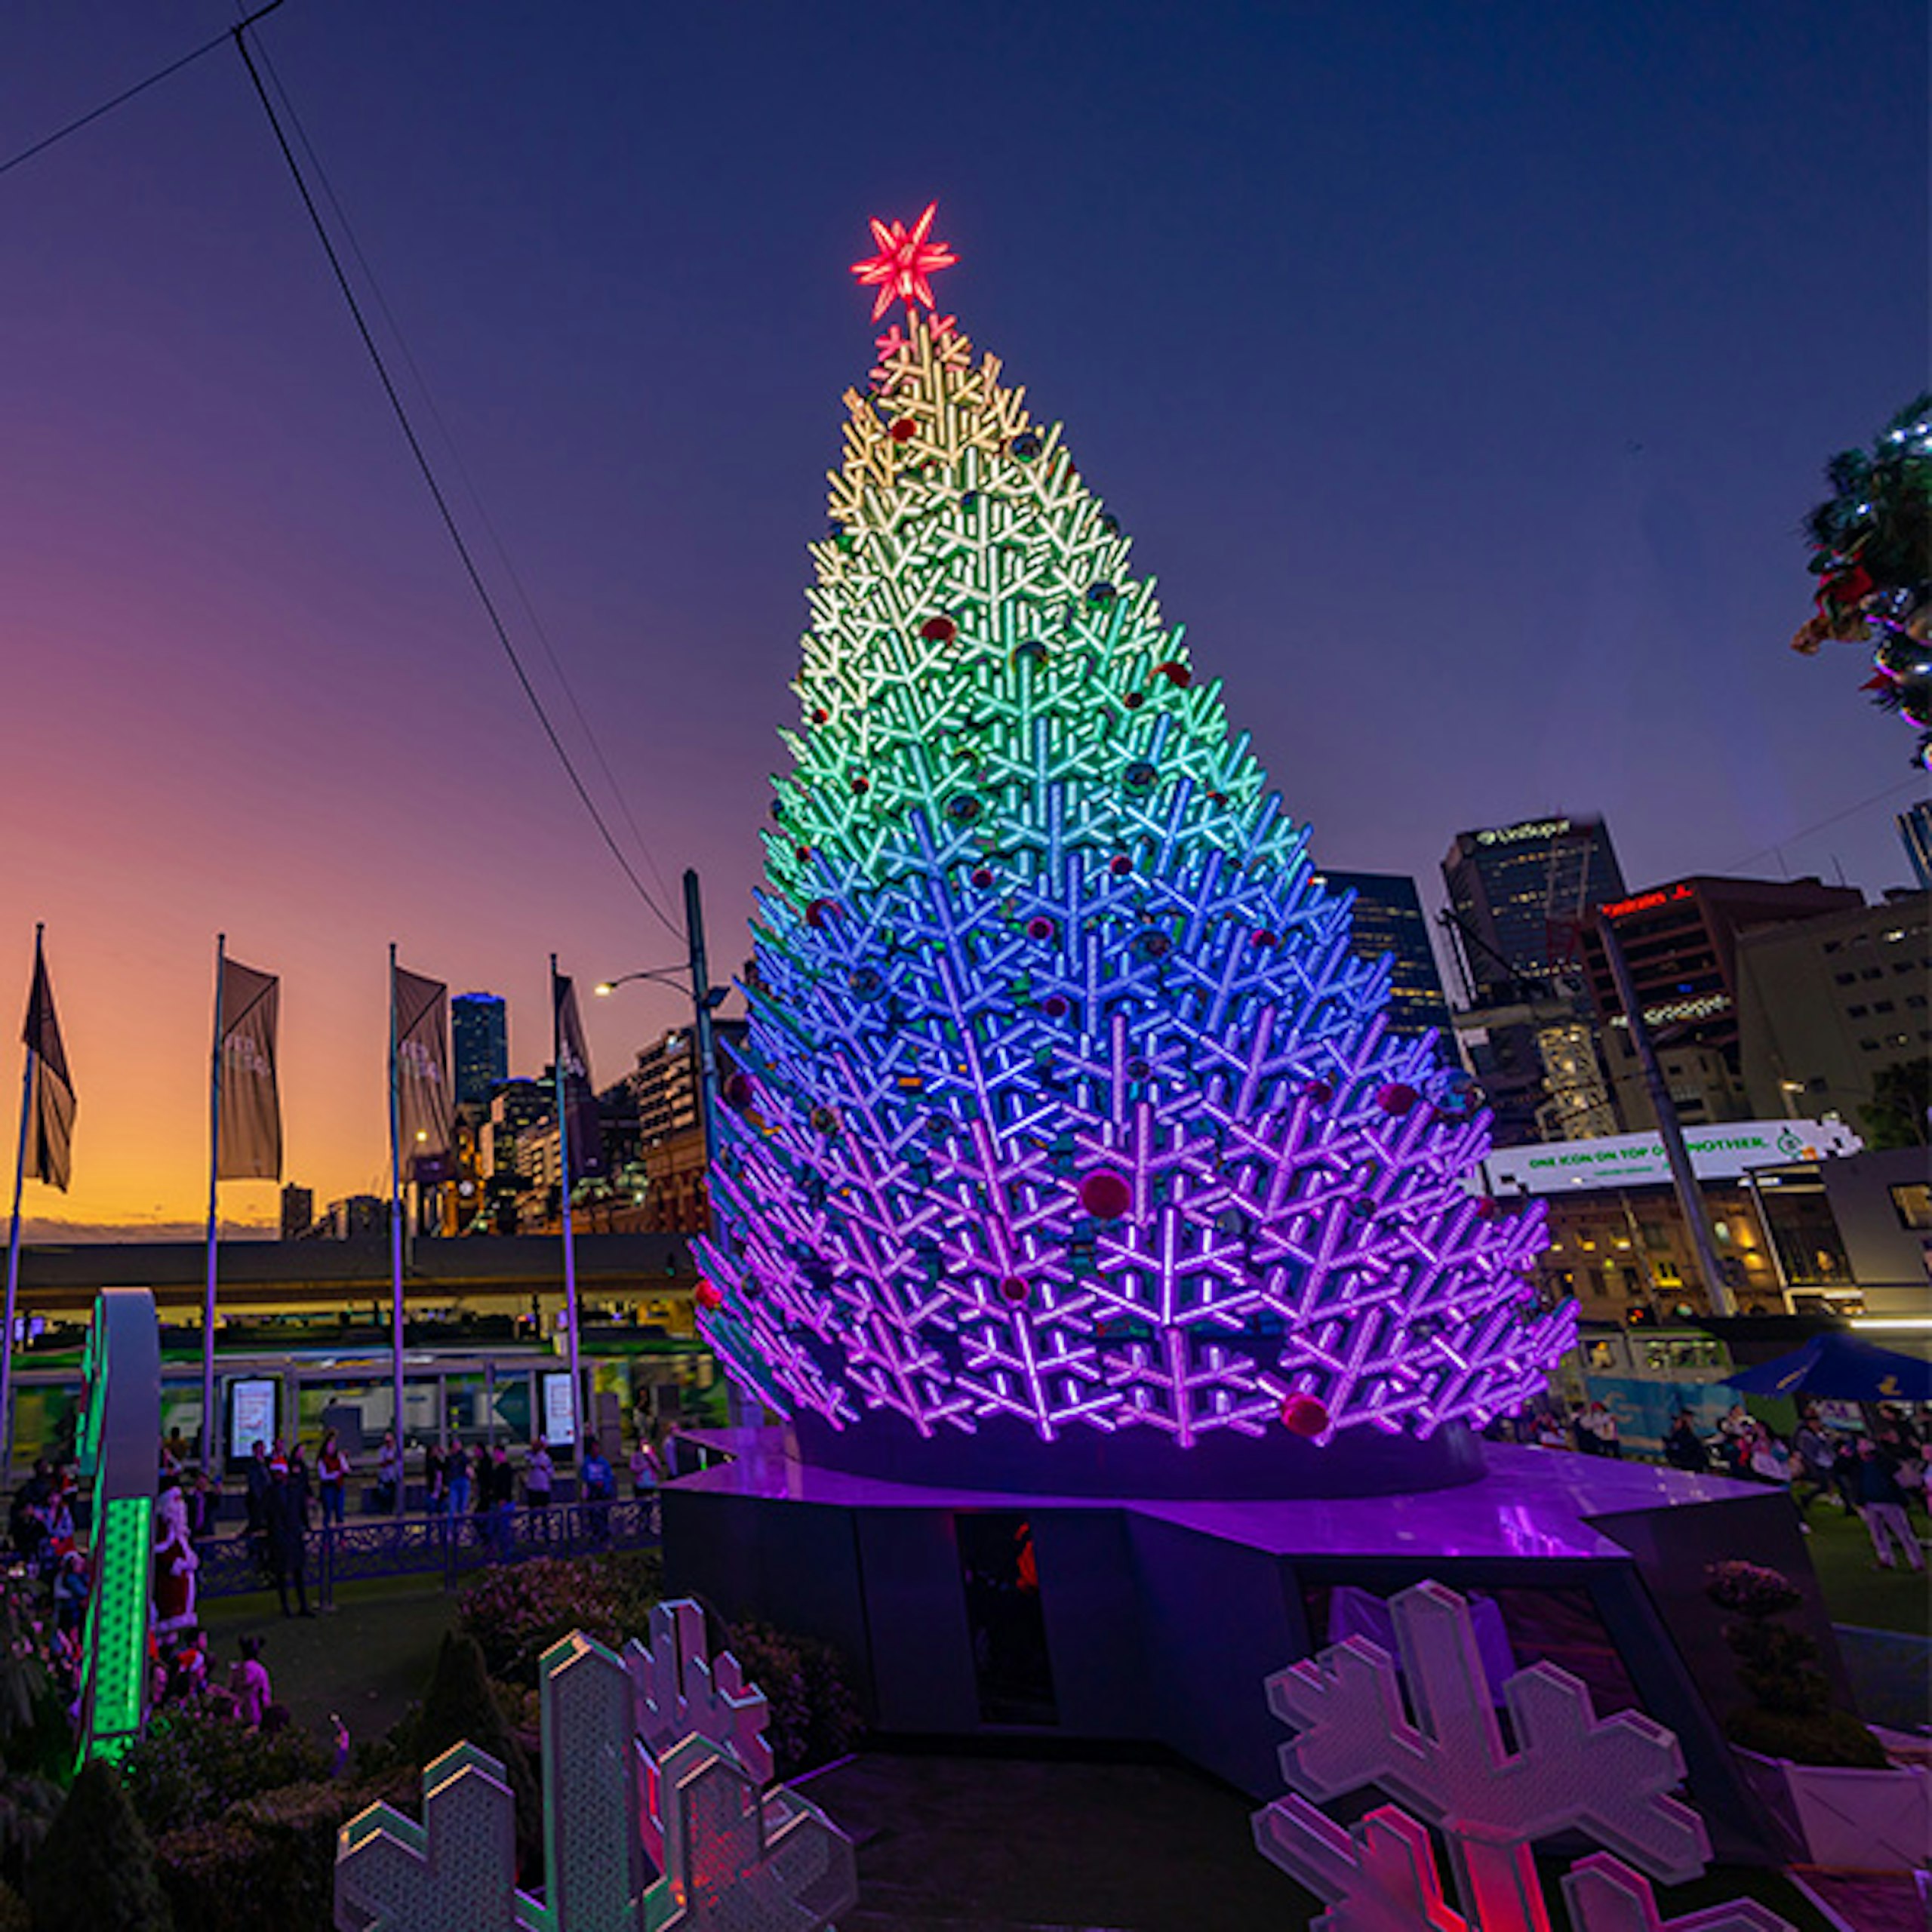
{"x": 479, "y": 1026}
{"x": 1389, "y": 917}
{"x": 1519, "y": 896}
{"x": 1680, "y": 941}
{"x": 298, "y": 1211}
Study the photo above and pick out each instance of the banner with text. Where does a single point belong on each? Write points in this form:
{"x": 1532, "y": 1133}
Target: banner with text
{"x": 250, "y": 1140}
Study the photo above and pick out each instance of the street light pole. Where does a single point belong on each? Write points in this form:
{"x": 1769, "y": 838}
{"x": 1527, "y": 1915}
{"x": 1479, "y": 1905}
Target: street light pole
{"x": 707, "y": 1063}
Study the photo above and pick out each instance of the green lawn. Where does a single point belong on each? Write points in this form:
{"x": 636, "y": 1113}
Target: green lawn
{"x": 1855, "y": 1591}
{"x": 367, "y": 1659}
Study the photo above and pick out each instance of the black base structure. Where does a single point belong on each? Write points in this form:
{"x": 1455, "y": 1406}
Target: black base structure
{"x": 978, "y": 1614}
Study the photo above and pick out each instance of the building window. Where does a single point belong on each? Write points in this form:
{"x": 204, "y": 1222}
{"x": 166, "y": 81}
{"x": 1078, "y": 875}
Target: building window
{"x": 1872, "y": 973}
{"x": 1912, "y": 1203}
{"x": 1857, "y": 1012}
{"x": 1882, "y": 1006}
{"x": 1915, "y": 999}
{"x": 1868, "y": 1046}
{"x": 1843, "y": 978}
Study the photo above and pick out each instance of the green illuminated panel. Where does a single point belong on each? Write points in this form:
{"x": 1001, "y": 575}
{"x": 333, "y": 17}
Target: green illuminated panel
{"x": 118, "y": 1627}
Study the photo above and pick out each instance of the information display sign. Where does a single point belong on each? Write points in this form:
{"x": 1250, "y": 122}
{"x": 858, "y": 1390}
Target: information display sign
{"x": 251, "y": 1402}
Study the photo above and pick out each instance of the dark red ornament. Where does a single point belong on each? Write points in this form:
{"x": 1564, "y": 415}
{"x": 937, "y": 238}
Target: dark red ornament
{"x": 982, "y": 876}
{"x": 818, "y": 911}
{"x": 1106, "y": 1195}
{"x": 1319, "y": 1092}
{"x": 820, "y": 715}
{"x": 708, "y": 1295}
{"x": 939, "y": 630}
{"x": 1304, "y": 1415}
{"x": 1054, "y": 1006}
{"x": 1120, "y": 864}
{"x": 1262, "y": 938}
{"x": 738, "y": 1094}
{"x": 1177, "y": 674}
{"x": 1133, "y": 700}
{"x": 1398, "y": 1097}
{"x": 904, "y": 430}
{"x": 1014, "y": 1289}
{"x": 1486, "y": 1208}
{"x": 1040, "y": 926}
{"x": 862, "y": 784}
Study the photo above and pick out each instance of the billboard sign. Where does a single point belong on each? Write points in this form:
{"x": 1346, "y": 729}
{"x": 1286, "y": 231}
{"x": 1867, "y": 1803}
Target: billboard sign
{"x": 1724, "y": 1151}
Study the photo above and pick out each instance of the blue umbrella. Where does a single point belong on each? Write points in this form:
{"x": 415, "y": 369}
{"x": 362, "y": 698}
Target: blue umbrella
{"x": 1838, "y": 1369}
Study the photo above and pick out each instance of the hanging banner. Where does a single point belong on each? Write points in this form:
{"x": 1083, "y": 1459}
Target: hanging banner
{"x": 250, "y": 1138}
{"x": 422, "y": 1008}
{"x": 51, "y": 1116}
{"x": 581, "y": 1125}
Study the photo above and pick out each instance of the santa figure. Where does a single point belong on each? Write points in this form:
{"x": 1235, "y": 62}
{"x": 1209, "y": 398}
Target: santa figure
{"x": 175, "y": 1562}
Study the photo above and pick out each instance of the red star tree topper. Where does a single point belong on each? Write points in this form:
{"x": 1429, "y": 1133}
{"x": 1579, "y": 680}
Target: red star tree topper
{"x": 905, "y": 259}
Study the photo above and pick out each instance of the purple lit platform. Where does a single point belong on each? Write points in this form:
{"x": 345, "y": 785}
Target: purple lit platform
{"x": 978, "y": 1613}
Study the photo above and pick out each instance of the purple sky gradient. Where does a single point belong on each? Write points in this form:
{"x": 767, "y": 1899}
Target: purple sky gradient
{"x": 1463, "y": 373}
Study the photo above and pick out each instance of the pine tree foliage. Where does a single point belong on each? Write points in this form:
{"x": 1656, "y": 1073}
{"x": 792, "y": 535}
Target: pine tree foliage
{"x": 1067, "y": 1099}
{"x": 95, "y": 1870}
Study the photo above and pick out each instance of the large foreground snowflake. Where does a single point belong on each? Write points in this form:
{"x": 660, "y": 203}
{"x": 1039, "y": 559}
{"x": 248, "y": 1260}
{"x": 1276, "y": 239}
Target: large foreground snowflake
{"x": 1067, "y": 1099}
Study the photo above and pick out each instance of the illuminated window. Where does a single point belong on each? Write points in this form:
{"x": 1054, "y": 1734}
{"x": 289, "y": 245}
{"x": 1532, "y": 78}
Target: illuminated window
{"x": 1912, "y": 1203}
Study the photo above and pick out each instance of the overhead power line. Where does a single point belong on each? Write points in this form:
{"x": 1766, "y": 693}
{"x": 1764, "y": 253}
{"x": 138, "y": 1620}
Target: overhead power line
{"x": 437, "y": 494}
{"x": 1806, "y": 831}
{"x": 127, "y": 94}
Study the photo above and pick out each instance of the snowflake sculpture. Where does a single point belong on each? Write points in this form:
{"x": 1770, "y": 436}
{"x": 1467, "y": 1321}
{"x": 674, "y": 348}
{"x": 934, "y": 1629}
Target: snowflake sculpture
{"x": 1611, "y": 1778}
{"x": 1067, "y": 1099}
{"x": 627, "y": 1794}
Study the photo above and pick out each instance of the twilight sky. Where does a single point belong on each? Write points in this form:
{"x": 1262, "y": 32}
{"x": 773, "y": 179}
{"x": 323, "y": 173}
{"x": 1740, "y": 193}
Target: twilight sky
{"x": 1463, "y": 372}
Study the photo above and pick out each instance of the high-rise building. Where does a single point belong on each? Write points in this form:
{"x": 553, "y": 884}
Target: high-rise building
{"x": 298, "y": 1211}
{"x": 670, "y": 1143}
{"x": 1389, "y": 917}
{"x": 1519, "y": 896}
{"x": 479, "y": 1026}
{"x": 1915, "y": 830}
{"x": 1826, "y": 1006}
{"x": 1680, "y": 943}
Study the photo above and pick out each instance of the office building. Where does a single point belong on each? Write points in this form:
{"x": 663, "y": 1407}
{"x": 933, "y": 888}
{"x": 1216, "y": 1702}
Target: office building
{"x": 1680, "y": 941}
{"x": 1519, "y": 896}
{"x": 1388, "y": 918}
{"x": 1824, "y": 1007}
{"x": 479, "y": 1028}
{"x": 670, "y": 1136}
{"x": 298, "y": 1211}
{"x": 1915, "y": 833}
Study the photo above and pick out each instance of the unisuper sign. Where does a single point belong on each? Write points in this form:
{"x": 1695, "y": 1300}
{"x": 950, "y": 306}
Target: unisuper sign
{"x": 1722, "y": 1152}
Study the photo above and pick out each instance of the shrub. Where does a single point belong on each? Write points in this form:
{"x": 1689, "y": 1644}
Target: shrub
{"x": 813, "y": 1715}
{"x": 269, "y": 1861}
{"x": 192, "y": 1764}
{"x": 14, "y": 1916}
{"x": 462, "y": 1707}
{"x": 517, "y": 1611}
{"x": 95, "y": 1869}
{"x": 1790, "y": 1713}
{"x": 28, "y": 1806}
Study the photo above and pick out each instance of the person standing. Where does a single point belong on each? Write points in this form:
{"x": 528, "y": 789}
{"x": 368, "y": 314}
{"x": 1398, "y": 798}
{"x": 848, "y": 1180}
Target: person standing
{"x": 646, "y": 1470}
{"x": 286, "y": 1524}
{"x": 332, "y": 1478}
{"x": 248, "y": 1684}
{"x": 456, "y": 1479}
{"x": 435, "y": 1479}
{"x": 538, "y": 1474}
{"x": 599, "y": 1484}
{"x": 389, "y": 1474}
{"x": 499, "y": 1485}
{"x": 1816, "y": 1457}
{"x": 1881, "y": 1503}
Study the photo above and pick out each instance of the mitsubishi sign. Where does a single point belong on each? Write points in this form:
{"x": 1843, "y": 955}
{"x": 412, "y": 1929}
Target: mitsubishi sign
{"x": 1725, "y": 1152}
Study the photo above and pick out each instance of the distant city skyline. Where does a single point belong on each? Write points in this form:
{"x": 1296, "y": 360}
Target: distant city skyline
{"x": 1463, "y": 377}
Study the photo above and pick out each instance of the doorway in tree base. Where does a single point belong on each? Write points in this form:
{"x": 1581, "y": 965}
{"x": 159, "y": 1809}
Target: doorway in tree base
{"x": 1008, "y": 1629}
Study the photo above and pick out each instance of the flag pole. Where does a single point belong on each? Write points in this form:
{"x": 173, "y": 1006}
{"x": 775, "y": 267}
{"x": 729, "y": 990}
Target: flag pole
{"x": 211, "y": 1430}
{"x": 13, "y": 1251}
{"x": 570, "y": 1245}
{"x": 395, "y": 1232}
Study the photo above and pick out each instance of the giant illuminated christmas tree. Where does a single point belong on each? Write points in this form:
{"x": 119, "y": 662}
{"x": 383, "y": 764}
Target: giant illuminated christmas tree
{"x": 1067, "y": 1100}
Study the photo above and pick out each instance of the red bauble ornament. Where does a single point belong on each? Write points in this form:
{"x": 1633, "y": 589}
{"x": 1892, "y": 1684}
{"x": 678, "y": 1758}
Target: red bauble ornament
{"x": 1105, "y": 1195}
{"x": 1398, "y": 1097}
{"x": 1133, "y": 700}
{"x": 1040, "y": 926}
{"x": 708, "y": 1295}
{"x": 1486, "y": 1208}
{"x": 904, "y": 430}
{"x": 862, "y": 784}
{"x": 820, "y": 715}
{"x": 1054, "y": 1006}
{"x": 1014, "y": 1289}
{"x": 1849, "y": 586}
{"x": 818, "y": 911}
{"x": 939, "y": 630}
{"x": 1177, "y": 674}
{"x": 982, "y": 876}
{"x": 1319, "y": 1092}
{"x": 1262, "y": 938}
{"x": 1120, "y": 864}
{"x": 737, "y": 1092}
{"x": 1304, "y": 1415}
